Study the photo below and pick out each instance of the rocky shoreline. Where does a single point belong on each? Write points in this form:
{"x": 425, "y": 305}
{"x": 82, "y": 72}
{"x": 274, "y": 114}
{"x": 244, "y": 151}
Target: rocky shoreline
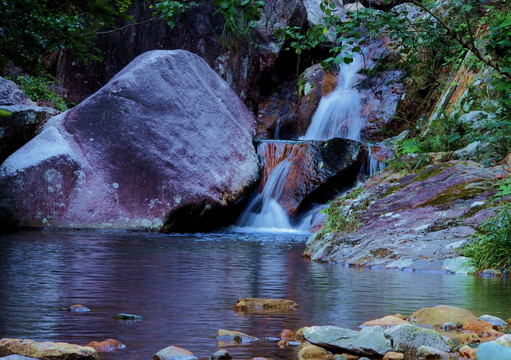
{"x": 440, "y": 332}
{"x": 413, "y": 221}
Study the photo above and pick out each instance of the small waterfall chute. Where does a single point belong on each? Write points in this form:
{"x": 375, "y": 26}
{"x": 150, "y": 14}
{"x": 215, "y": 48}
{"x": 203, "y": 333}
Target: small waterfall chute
{"x": 339, "y": 114}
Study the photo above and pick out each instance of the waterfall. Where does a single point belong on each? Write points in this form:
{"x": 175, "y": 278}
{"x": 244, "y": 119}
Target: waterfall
{"x": 372, "y": 163}
{"x": 338, "y": 113}
{"x": 264, "y": 211}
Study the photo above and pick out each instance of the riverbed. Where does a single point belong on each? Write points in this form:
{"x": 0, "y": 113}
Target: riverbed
{"x": 185, "y": 287}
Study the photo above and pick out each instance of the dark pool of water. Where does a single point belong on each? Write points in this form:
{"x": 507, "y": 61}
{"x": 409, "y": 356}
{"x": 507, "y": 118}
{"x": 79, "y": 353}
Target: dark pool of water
{"x": 185, "y": 287}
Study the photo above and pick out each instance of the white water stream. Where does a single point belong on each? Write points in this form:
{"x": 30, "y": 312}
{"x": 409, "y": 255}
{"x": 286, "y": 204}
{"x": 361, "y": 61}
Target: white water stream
{"x": 338, "y": 116}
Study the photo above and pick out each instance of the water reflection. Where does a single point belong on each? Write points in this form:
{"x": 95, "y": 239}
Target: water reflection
{"x": 185, "y": 287}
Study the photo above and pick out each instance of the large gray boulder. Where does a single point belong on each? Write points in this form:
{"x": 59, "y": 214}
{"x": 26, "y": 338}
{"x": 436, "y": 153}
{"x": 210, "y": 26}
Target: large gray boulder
{"x": 409, "y": 337}
{"x": 164, "y": 144}
{"x": 368, "y": 341}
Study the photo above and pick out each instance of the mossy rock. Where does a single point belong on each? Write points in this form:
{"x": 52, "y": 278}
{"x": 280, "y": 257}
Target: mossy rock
{"x": 438, "y": 315}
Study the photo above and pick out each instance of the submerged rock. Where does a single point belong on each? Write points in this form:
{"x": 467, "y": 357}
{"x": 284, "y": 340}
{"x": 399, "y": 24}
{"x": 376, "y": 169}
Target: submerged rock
{"x": 174, "y": 353}
{"x": 368, "y": 341}
{"x": 46, "y": 350}
{"x": 106, "y": 345}
{"x": 78, "y": 308}
{"x": 124, "y": 316}
{"x": 166, "y": 144}
{"x": 265, "y": 304}
{"x": 230, "y": 337}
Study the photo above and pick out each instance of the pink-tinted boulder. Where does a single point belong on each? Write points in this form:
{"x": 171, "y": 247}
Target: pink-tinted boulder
{"x": 166, "y": 144}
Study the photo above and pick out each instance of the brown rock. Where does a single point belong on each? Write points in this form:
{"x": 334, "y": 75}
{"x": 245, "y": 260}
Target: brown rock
{"x": 299, "y": 333}
{"x": 463, "y": 338}
{"x": 174, "y": 353}
{"x": 106, "y": 345}
{"x": 482, "y": 328}
{"x": 468, "y": 353}
{"x": 441, "y": 314}
{"x": 265, "y": 304}
{"x": 310, "y": 351}
{"x": 287, "y": 113}
{"x": 399, "y": 316}
{"x": 46, "y": 350}
{"x": 385, "y": 322}
{"x": 283, "y": 344}
{"x": 287, "y": 334}
{"x": 317, "y": 170}
{"x": 391, "y": 355}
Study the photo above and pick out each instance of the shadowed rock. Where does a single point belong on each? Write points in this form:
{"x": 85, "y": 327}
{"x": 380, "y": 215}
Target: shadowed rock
{"x": 318, "y": 170}
{"x": 20, "y": 118}
{"x": 165, "y": 141}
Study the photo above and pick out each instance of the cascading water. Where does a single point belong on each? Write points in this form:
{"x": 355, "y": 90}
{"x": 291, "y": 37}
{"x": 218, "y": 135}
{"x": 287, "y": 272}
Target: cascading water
{"x": 338, "y": 115}
{"x": 264, "y": 211}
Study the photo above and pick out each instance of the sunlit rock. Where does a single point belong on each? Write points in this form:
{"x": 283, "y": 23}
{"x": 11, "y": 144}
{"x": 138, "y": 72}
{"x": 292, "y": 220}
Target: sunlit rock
{"x": 46, "y": 350}
{"x": 482, "y": 328}
{"x": 438, "y": 315}
{"x": 174, "y": 353}
{"x": 244, "y": 304}
{"x": 310, "y": 351}
{"x": 165, "y": 144}
{"x": 385, "y": 322}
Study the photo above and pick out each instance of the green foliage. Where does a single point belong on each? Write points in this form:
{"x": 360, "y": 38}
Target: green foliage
{"x": 240, "y": 16}
{"x": 39, "y": 89}
{"x": 33, "y": 29}
{"x": 170, "y": 10}
{"x": 492, "y": 247}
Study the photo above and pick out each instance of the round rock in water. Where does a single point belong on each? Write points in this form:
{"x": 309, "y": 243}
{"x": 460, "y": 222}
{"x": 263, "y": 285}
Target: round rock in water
{"x": 221, "y": 355}
{"x": 174, "y": 353}
{"x": 123, "y": 316}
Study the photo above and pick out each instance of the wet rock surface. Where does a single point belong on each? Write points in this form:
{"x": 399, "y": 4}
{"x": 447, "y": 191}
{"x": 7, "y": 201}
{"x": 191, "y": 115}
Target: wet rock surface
{"x": 412, "y": 221}
{"x": 166, "y": 143}
{"x": 46, "y": 350}
{"x": 318, "y": 169}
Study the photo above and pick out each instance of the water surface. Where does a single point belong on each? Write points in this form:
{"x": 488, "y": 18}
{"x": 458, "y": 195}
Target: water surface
{"x": 186, "y": 285}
